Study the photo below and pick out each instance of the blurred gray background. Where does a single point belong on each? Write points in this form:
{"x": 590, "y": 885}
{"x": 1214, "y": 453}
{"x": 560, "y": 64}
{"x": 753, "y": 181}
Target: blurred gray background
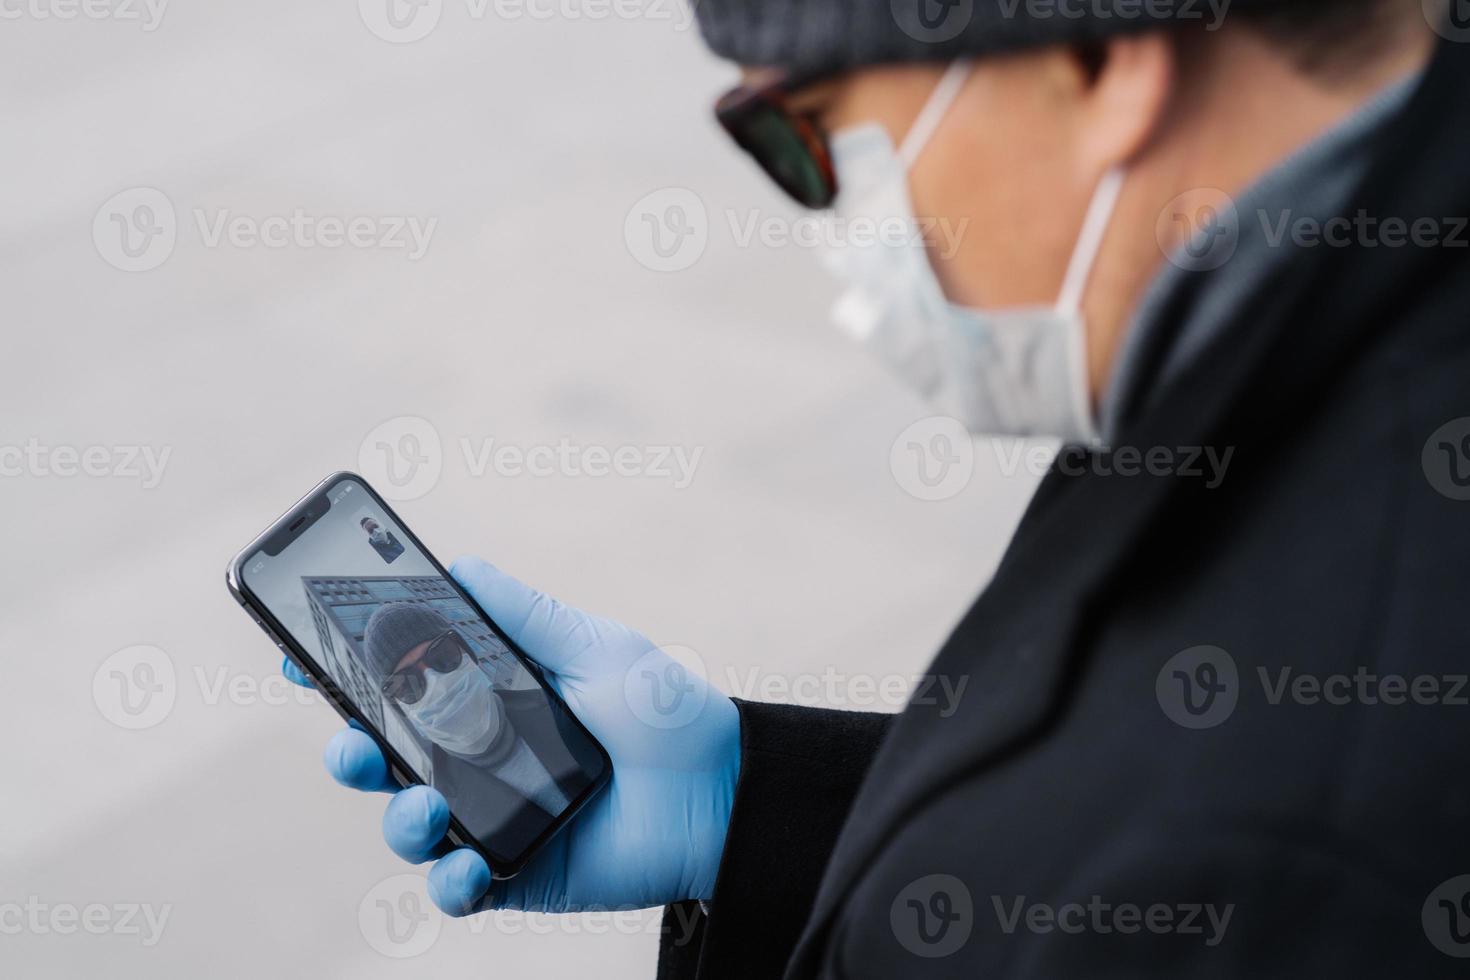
{"x": 156, "y": 763}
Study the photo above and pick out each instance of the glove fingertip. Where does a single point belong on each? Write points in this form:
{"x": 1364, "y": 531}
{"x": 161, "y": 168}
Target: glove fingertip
{"x": 459, "y": 881}
{"x": 354, "y": 760}
{"x": 467, "y": 568}
{"x": 415, "y": 822}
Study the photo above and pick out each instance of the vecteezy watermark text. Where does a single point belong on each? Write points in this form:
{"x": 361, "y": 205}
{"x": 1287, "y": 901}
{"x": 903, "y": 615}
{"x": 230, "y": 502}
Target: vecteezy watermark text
{"x": 676, "y": 464}
{"x": 938, "y": 21}
{"x": 669, "y": 229}
{"x": 1201, "y": 229}
{"x": 1207, "y": 463}
{"x": 121, "y": 462}
{"x": 399, "y": 921}
{"x": 407, "y": 21}
{"x": 1363, "y": 686}
{"x": 404, "y": 458}
{"x": 1200, "y": 688}
{"x": 1104, "y": 10}
{"x": 301, "y": 229}
{"x": 37, "y": 917}
{"x": 1104, "y": 918}
{"x": 148, "y": 14}
{"x": 934, "y": 459}
{"x": 835, "y": 688}
{"x": 833, "y": 232}
{"x": 1362, "y": 229}
{"x": 138, "y": 229}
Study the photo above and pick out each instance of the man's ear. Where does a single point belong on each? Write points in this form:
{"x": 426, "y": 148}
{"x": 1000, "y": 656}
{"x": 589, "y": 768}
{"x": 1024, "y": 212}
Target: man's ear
{"x": 1126, "y": 84}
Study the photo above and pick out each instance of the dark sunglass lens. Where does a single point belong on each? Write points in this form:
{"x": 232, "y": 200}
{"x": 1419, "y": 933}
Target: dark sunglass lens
{"x": 444, "y": 655}
{"x": 770, "y": 136}
{"x": 405, "y": 687}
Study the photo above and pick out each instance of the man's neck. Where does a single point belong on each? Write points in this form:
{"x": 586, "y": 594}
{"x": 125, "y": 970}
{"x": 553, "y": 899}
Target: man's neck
{"x": 1240, "y": 109}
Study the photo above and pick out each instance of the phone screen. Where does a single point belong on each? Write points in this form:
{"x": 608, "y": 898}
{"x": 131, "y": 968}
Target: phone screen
{"x": 422, "y": 666}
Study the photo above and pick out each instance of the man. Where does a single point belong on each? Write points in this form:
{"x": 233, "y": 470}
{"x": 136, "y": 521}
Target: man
{"x": 497, "y": 753}
{"x": 382, "y": 540}
{"x": 1214, "y": 724}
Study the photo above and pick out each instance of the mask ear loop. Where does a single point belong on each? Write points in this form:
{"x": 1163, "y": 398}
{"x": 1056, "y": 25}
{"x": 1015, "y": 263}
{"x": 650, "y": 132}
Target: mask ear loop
{"x": 1089, "y": 241}
{"x": 934, "y": 109}
{"x": 1069, "y": 304}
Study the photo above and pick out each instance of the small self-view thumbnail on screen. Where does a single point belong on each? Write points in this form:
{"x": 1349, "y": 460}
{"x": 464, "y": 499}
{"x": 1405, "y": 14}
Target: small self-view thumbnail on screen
{"x": 382, "y": 540}
{"x": 426, "y": 670}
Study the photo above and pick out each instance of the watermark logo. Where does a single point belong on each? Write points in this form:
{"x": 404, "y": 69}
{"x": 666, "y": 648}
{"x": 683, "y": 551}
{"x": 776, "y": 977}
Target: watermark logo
{"x": 38, "y": 917}
{"x": 1363, "y": 686}
{"x": 301, "y": 229}
{"x": 400, "y": 21}
{"x": 1446, "y": 917}
{"x": 666, "y": 687}
{"x": 834, "y": 688}
{"x": 1201, "y": 687}
{"x": 1106, "y": 10}
{"x": 136, "y": 230}
{"x": 933, "y": 459}
{"x": 933, "y": 916}
{"x": 407, "y": 21}
{"x": 1208, "y": 464}
{"x": 397, "y": 918}
{"x": 1361, "y": 229}
{"x": 138, "y": 688}
{"x": 135, "y": 687}
{"x": 1199, "y": 230}
{"x": 667, "y": 230}
{"x": 834, "y": 233}
{"x": 402, "y": 457}
{"x": 675, "y": 464}
{"x": 1446, "y": 459}
{"x": 932, "y": 21}
{"x": 146, "y": 13}
{"x": 1106, "y": 918}
{"x": 1449, "y": 18}
{"x": 1198, "y": 687}
{"x": 405, "y": 458}
{"x": 146, "y": 464}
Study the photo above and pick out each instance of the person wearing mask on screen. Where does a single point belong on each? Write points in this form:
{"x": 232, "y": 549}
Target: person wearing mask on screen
{"x": 1190, "y": 226}
{"x": 492, "y": 751}
{"x": 382, "y": 540}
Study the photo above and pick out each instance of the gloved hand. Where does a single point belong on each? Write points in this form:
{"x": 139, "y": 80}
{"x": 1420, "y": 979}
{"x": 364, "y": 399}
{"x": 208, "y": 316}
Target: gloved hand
{"x": 652, "y": 836}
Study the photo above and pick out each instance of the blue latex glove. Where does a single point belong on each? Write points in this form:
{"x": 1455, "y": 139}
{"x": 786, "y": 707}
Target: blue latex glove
{"x": 652, "y": 836}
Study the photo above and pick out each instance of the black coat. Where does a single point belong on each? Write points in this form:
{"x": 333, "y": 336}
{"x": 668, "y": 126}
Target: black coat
{"x": 1337, "y": 544}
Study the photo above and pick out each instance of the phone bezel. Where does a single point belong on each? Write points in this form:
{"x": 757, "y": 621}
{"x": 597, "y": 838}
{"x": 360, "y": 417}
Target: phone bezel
{"x": 500, "y": 866}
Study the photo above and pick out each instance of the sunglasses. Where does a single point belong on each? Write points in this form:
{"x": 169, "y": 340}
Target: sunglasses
{"x": 406, "y": 685}
{"x": 787, "y": 144}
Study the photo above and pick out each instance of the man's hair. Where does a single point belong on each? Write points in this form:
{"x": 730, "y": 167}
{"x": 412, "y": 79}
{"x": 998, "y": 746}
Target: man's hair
{"x": 1331, "y": 38}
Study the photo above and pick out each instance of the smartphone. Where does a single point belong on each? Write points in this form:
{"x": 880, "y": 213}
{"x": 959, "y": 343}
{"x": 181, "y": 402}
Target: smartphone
{"x": 346, "y": 590}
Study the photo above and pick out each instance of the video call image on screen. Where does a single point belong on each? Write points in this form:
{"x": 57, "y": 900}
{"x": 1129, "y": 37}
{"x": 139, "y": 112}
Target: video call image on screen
{"x": 427, "y": 671}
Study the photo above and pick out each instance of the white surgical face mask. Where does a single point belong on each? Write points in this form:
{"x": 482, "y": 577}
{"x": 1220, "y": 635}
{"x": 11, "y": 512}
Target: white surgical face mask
{"x": 460, "y": 711}
{"x": 1016, "y": 372}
